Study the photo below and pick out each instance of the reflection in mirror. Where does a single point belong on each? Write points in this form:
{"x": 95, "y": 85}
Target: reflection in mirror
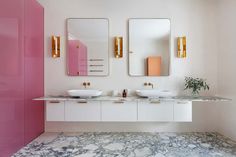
{"x": 87, "y": 47}
{"x": 149, "y": 47}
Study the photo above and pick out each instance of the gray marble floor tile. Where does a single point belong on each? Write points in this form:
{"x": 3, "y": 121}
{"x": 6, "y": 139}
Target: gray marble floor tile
{"x": 129, "y": 145}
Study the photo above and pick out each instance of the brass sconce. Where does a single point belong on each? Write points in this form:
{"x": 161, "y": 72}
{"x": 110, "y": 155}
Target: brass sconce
{"x": 56, "y": 46}
{"x": 118, "y": 47}
{"x": 181, "y": 47}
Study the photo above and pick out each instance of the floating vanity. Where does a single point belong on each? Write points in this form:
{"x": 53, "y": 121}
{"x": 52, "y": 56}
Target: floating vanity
{"x": 117, "y": 109}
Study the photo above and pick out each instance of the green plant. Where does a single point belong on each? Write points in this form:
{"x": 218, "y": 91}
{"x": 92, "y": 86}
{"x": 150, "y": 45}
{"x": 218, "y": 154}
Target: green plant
{"x": 196, "y": 84}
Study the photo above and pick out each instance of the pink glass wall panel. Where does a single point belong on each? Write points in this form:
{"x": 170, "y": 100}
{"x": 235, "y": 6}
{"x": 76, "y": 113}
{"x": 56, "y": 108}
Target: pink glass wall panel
{"x": 77, "y": 58}
{"x": 34, "y": 69}
{"x": 21, "y": 75}
{"x": 11, "y": 77}
{"x": 11, "y": 66}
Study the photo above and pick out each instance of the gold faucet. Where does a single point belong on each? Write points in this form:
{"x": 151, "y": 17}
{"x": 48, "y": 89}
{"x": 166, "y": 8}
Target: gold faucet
{"x": 86, "y": 84}
{"x": 149, "y": 84}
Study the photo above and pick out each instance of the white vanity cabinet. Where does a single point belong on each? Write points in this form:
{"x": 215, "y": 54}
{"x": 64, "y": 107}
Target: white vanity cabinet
{"x": 183, "y": 111}
{"x": 55, "y": 110}
{"x": 83, "y": 111}
{"x": 119, "y": 111}
{"x": 155, "y": 111}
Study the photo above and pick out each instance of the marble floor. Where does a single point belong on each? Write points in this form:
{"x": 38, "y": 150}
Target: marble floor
{"x": 129, "y": 145}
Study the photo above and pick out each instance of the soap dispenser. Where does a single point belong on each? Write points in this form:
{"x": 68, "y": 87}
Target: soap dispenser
{"x": 124, "y": 93}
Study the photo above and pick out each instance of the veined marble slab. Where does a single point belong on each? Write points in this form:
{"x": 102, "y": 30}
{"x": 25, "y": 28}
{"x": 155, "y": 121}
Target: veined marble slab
{"x": 134, "y": 98}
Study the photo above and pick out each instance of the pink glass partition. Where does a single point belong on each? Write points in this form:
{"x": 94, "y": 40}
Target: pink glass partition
{"x": 34, "y": 69}
{"x": 11, "y": 78}
{"x": 21, "y": 74}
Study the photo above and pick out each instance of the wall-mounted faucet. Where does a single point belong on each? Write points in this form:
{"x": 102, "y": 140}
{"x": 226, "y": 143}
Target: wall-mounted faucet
{"x": 86, "y": 84}
{"x": 149, "y": 84}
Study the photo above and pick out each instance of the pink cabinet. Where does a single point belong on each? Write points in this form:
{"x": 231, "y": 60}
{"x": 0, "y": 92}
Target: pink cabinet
{"x": 21, "y": 74}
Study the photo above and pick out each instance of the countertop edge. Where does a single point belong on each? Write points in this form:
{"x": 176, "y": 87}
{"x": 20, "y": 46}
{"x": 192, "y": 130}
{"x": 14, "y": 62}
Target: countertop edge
{"x": 110, "y": 98}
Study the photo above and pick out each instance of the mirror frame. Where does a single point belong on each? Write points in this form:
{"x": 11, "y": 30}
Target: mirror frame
{"x": 108, "y": 47}
{"x": 170, "y": 46}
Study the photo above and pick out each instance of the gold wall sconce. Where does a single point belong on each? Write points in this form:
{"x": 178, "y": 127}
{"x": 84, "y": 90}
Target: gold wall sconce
{"x": 118, "y": 47}
{"x": 181, "y": 47}
{"x": 56, "y": 46}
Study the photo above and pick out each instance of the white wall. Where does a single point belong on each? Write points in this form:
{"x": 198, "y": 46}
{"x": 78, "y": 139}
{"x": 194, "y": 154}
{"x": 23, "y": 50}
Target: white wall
{"x": 227, "y": 65}
{"x": 194, "y": 18}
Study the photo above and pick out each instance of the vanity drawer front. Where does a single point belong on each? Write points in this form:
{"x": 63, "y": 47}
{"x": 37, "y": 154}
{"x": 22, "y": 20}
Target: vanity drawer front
{"x": 119, "y": 111}
{"x": 83, "y": 111}
{"x": 155, "y": 111}
{"x": 183, "y": 111}
{"x": 55, "y": 111}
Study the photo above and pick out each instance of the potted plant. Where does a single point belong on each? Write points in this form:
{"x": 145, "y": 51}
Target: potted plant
{"x": 196, "y": 85}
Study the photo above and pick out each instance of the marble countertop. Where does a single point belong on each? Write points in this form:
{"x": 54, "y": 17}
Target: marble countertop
{"x": 136, "y": 98}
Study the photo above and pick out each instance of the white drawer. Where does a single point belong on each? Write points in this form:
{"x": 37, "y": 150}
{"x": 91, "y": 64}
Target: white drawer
{"x": 183, "y": 111}
{"x": 155, "y": 111}
{"x": 55, "y": 111}
{"x": 119, "y": 111}
{"x": 82, "y": 111}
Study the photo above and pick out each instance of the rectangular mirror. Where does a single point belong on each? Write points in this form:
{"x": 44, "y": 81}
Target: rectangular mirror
{"x": 149, "y": 47}
{"x": 87, "y": 47}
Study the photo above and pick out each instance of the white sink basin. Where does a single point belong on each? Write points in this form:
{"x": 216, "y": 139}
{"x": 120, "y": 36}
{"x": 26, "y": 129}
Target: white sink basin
{"x": 153, "y": 93}
{"x": 84, "y": 93}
